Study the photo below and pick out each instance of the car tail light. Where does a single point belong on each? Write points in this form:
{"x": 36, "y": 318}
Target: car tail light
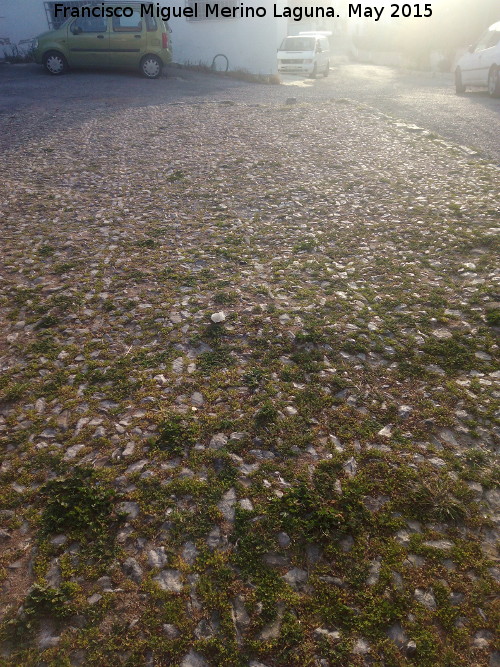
{"x": 164, "y": 40}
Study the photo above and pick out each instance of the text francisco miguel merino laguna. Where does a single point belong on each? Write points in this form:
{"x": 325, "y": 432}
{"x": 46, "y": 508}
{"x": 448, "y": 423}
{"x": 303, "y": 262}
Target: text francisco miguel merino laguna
{"x": 195, "y": 10}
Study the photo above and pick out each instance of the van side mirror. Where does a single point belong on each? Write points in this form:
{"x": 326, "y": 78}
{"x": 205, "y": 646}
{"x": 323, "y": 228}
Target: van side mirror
{"x": 76, "y": 30}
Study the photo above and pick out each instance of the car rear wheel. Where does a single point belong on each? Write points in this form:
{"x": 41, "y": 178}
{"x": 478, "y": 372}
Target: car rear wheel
{"x": 151, "y": 66}
{"x": 55, "y": 63}
{"x": 494, "y": 82}
{"x": 459, "y": 86}
{"x": 327, "y": 70}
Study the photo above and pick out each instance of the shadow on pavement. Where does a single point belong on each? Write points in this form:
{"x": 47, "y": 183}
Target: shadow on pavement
{"x": 34, "y": 104}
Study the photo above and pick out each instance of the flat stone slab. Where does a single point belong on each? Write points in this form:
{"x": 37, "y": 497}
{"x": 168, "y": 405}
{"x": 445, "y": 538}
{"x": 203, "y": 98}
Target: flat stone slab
{"x": 169, "y": 580}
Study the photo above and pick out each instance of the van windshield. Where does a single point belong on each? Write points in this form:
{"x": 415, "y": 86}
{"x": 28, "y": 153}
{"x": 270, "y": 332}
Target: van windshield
{"x": 297, "y": 44}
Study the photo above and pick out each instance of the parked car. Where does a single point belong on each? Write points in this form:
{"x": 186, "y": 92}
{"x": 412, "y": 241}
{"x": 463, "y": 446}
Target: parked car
{"x": 307, "y": 53}
{"x": 480, "y": 66}
{"x": 126, "y": 42}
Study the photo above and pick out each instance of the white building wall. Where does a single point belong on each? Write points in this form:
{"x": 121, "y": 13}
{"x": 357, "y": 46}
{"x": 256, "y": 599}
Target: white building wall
{"x": 22, "y": 19}
{"x": 248, "y": 43}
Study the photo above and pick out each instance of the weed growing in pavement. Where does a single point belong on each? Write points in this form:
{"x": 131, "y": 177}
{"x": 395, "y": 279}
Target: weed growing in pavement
{"x": 81, "y": 505}
{"x": 176, "y": 433}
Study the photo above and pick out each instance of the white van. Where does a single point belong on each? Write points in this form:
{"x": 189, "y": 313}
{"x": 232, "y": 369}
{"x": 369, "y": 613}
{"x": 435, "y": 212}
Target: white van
{"x": 307, "y": 53}
{"x": 480, "y": 66}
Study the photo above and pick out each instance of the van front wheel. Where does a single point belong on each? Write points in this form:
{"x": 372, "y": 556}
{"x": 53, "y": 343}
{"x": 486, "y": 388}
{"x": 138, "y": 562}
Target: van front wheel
{"x": 55, "y": 63}
{"x": 151, "y": 66}
{"x": 327, "y": 70}
{"x": 314, "y": 72}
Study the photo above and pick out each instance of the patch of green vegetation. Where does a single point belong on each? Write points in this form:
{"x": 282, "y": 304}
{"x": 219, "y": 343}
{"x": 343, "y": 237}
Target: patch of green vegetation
{"x": 456, "y": 209}
{"x": 13, "y": 391}
{"x": 411, "y": 368}
{"x": 50, "y": 601}
{"x": 116, "y": 377}
{"x": 45, "y": 250}
{"x": 194, "y": 522}
{"x": 214, "y": 333}
{"x": 252, "y": 540}
{"x": 147, "y": 243}
{"x": 453, "y": 354}
{"x": 176, "y": 433}
{"x": 223, "y": 473}
{"x": 446, "y": 613}
{"x": 291, "y": 374}
{"x": 108, "y": 306}
{"x": 266, "y": 415}
{"x": 223, "y": 649}
{"x": 219, "y": 358}
{"x": 378, "y": 613}
{"x": 234, "y": 240}
{"x": 47, "y": 322}
{"x": 350, "y": 424}
{"x": 254, "y": 377}
{"x": 81, "y": 505}
{"x": 291, "y": 434}
{"x": 53, "y": 384}
{"x": 307, "y": 245}
{"x": 308, "y": 360}
{"x": 159, "y": 231}
{"x": 359, "y": 345}
{"x": 314, "y": 336}
{"x": 493, "y": 317}
{"x": 23, "y": 295}
{"x": 291, "y": 640}
{"x": 133, "y": 275}
{"x": 433, "y": 497}
{"x": 188, "y": 279}
{"x": 194, "y": 525}
{"x": 428, "y": 647}
{"x": 226, "y": 297}
{"x": 232, "y": 255}
{"x": 65, "y": 301}
{"x": 474, "y": 459}
{"x": 176, "y": 175}
{"x": 152, "y": 495}
{"x": 312, "y": 401}
{"x": 41, "y": 602}
{"x": 64, "y": 267}
{"x": 315, "y": 511}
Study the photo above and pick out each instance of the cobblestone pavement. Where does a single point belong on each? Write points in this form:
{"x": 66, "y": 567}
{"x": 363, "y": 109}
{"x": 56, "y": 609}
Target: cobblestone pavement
{"x": 423, "y": 99}
{"x": 248, "y": 386}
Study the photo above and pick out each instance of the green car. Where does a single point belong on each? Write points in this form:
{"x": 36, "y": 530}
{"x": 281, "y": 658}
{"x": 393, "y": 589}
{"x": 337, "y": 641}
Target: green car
{"x": 126, "y": 36}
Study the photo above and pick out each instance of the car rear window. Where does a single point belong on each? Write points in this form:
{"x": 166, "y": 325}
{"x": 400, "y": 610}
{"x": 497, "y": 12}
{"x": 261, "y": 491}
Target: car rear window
{"x": 127, "y": 23}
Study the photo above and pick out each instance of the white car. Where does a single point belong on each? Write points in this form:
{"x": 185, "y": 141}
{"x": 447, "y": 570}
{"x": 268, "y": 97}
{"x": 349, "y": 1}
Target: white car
{"x": 480, "y": 66}
{"x": 306, "y": 53}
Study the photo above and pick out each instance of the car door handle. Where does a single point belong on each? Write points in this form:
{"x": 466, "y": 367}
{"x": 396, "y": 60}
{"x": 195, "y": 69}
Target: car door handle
{"x": 137, "y": 36}
{"x": 100, "y": 36}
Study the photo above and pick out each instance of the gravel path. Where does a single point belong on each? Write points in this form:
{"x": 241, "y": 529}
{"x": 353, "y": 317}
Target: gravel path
{"x": 248, "y": 388}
